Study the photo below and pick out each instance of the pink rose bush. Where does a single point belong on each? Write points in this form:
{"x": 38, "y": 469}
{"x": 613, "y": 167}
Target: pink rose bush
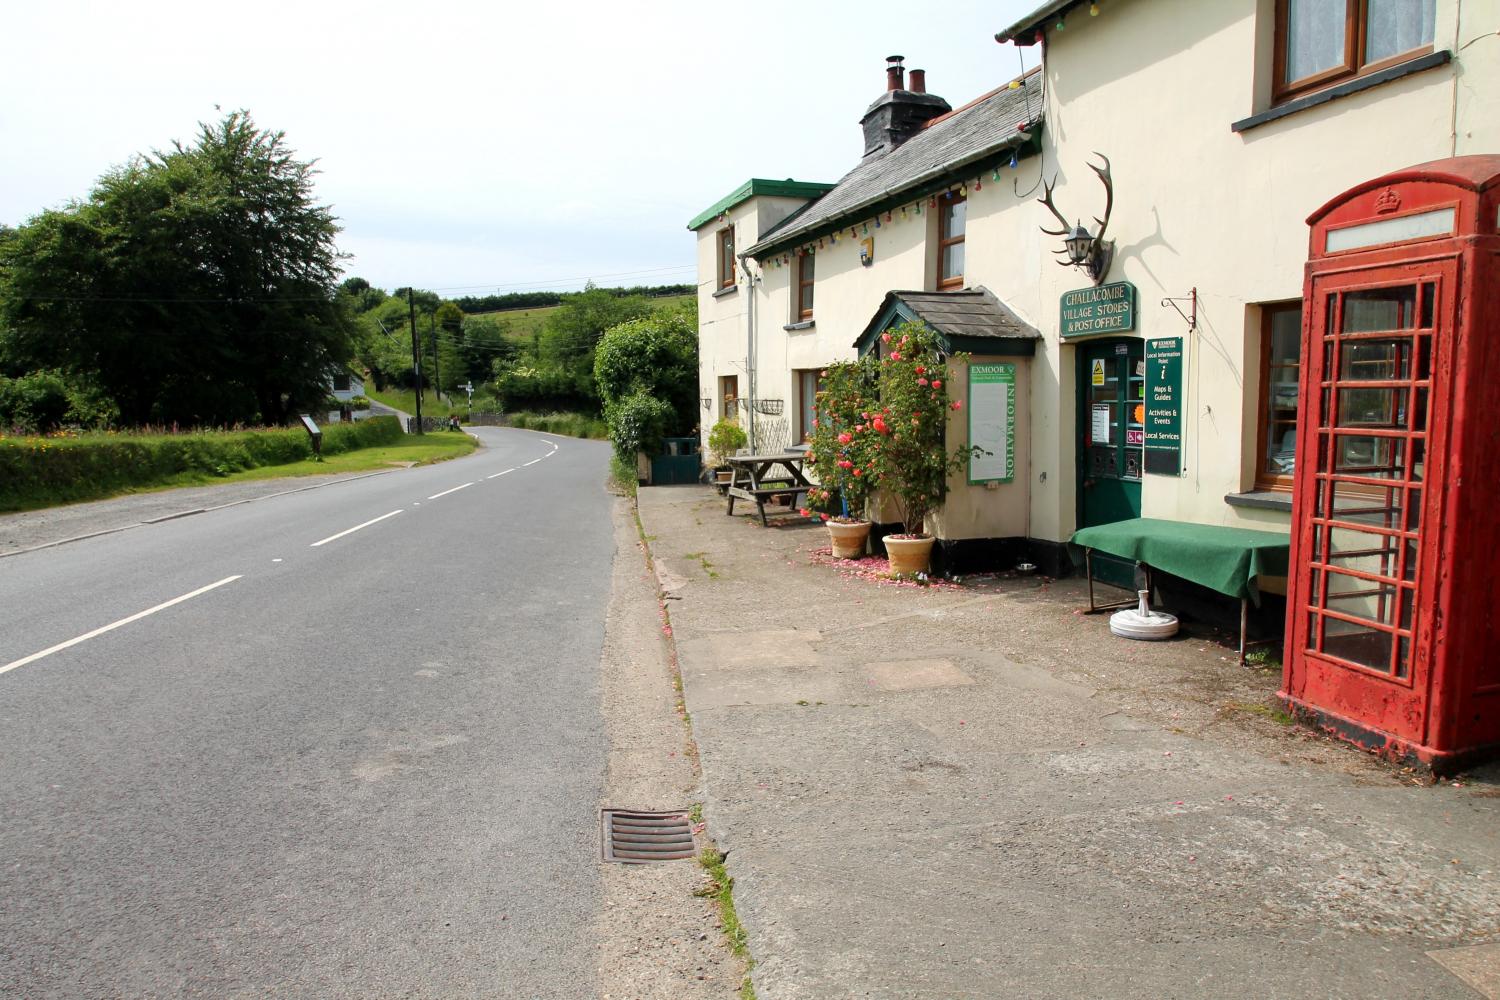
{"x": 857, "y": 447}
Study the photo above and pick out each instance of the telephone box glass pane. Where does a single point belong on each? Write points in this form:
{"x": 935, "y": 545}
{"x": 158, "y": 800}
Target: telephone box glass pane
{"x": 1375, "y": 360}
{"x": 1380, "y": 309}
{"x": 1366, "y": 646}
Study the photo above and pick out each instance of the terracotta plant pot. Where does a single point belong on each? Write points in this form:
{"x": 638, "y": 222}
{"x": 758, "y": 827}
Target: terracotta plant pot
{"x": 909, "y": 555}
{"x": 848, "y": 538}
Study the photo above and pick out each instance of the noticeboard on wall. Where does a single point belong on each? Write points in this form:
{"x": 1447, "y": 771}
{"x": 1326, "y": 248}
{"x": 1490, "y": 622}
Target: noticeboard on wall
{"x": 1164, "y": 406}
{"x": 992, "y": 422}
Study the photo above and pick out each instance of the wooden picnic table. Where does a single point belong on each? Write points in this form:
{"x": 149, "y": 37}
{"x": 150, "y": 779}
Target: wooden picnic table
{"x": 754, "y": 478}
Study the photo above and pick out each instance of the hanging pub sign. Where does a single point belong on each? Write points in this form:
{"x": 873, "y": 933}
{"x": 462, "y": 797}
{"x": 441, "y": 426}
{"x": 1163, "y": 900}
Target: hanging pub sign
{"x": 1105, "y": 309}
{"x": 1164, "y": 406}
{"x": 992, "y": 422}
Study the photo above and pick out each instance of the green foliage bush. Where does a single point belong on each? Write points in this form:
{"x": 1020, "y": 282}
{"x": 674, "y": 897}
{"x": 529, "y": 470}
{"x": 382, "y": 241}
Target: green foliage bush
{"x": 579, "y": 425}
{"x": 725, "y": 439}
{"x": 36, "y": 471}
{"x": 647, "y": 375}
{"x": 638, "y": 423}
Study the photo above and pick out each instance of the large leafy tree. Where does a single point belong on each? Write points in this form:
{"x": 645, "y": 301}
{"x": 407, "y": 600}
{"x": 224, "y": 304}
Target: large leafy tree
{"x": 196, "y": 285}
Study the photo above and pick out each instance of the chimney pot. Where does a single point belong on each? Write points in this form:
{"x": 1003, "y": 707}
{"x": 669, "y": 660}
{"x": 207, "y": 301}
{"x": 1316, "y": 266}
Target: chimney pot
{"x": 919, "y": 81}
{"x": 895, "y": 73}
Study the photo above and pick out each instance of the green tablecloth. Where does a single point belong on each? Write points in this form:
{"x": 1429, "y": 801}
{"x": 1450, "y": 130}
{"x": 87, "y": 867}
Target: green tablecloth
{"x": 1220, "y": 558}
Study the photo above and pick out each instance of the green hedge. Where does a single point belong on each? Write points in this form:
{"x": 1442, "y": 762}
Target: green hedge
{"x": 579, "y": 425}
{"x": 37, "y": 471}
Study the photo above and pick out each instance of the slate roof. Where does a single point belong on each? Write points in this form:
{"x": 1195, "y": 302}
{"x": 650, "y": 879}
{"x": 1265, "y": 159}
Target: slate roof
{"x": 982, "y": 130}
{"x": 959, "y": 317}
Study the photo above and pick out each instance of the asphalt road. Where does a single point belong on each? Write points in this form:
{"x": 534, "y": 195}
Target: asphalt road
{"x": 362, "y": 765}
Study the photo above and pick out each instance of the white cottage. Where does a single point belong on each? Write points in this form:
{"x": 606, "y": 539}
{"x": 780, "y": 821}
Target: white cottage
{"x": 1204, "y": 135}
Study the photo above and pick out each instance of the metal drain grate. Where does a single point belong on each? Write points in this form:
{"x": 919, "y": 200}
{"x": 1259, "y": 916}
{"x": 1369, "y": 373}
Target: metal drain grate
{"x": 643, "y": 838}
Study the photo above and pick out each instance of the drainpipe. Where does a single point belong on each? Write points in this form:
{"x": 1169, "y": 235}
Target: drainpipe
{"x": 750, "y": 360}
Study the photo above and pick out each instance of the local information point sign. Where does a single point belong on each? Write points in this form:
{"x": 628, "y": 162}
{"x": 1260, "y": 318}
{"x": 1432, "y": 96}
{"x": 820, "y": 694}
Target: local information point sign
{"x": 1164, "y": 406}
{"x": 1105, "y": 309}
{"x": 992, "y": 422}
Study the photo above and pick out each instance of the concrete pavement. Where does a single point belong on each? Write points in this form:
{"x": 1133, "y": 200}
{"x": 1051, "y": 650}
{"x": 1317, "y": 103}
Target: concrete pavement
{"x": 977, "y": 792}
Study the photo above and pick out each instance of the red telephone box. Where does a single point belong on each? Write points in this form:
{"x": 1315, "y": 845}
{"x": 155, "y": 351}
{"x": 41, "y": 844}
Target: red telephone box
{"x": 1393, "y": 634}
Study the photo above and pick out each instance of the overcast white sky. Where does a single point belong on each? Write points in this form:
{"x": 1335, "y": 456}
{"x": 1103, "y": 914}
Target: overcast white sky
{"x": 482, "y": 147}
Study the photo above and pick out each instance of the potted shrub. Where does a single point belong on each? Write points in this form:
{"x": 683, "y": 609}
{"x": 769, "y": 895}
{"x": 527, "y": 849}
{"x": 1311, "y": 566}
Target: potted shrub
{"x": 841, "y": 454}
{"x": 726, "y": 438}
{"x": 910, "y": 457}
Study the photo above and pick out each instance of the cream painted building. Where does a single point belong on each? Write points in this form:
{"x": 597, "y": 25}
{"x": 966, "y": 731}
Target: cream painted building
{"x": 1225, "y": 124}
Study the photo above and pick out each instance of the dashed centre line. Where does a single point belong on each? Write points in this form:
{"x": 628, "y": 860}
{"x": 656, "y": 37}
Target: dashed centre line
{"x": 532, "y": 462}
{"x": 499, "y": 474}
{"x": 446, "y": 492}
{"x": 114, "y": 625}
{"x": 350, "y": 531}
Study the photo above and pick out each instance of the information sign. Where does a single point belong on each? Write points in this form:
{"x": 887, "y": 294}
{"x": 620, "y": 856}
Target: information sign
{"x": 1164, "y": 406}
{"x": 992, "y": 422}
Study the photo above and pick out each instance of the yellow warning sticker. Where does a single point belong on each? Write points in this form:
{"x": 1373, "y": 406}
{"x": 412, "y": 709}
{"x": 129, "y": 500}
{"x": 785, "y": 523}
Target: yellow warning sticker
{"x": 1098, "y": 377}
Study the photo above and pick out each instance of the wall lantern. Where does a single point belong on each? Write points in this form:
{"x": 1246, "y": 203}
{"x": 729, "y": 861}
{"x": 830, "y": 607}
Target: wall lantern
{"x": 1081, "y": 248}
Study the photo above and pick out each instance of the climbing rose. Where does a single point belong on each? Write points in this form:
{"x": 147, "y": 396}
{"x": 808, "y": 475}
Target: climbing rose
{"x": 804, "y": 512}
{"x": 856, "y": 472}
{"x": 895, "y": 355}
{"x": 823, "y": 516}
{"x": 885, "y": 337}
{"x": 921, "y": 381}
{"x": 845, "y": 437}
{"x": 937, "y": 383}
{"x": 844, "y": 463}
{"x": 879, "y": 425}
{"x": 921, "y": 369}
{"x": 956, "y": 403}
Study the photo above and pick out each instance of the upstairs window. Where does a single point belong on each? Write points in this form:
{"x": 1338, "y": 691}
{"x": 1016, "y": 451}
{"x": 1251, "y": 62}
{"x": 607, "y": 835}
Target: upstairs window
{"x": 951, "y": 214}
{"x": 726, "y": 257}
{"x": 804, "y": 299}
{"x": 1322, "y": 42}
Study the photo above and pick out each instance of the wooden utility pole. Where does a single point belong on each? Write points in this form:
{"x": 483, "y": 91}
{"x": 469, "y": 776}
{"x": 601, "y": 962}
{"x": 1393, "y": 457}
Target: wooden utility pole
{"x": 416, "y": 353}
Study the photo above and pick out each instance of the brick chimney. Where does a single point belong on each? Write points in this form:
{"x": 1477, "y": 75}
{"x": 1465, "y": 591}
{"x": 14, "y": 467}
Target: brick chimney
{"x": 898, "y": 114}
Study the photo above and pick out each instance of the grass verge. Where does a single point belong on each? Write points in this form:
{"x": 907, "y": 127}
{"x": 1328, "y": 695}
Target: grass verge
{"x": 406, "y": 401}
{"x": 721, "y": 890}
{"x": 622, "y": 477}
{"x": 413, "y": 449}
{"x": 578, "y": 425}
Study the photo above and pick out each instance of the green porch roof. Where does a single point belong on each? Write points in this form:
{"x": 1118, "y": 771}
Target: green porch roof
{"x": 760, "y": 186}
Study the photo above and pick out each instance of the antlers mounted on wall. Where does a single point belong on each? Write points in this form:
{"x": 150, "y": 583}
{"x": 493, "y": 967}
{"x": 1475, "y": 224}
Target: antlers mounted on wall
{"x": 1081, "y": 248}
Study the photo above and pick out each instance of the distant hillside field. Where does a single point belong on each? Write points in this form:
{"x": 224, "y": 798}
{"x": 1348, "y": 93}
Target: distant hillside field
{"x": 524, "y": 323}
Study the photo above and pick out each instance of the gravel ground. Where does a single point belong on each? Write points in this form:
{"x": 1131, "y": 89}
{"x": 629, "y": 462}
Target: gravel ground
{"x": 656, "y": 939}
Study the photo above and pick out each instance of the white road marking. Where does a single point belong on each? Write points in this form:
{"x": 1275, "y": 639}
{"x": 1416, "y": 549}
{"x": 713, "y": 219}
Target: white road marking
{"x": 276, "y": 560}
{"x": 446, "y": 492}
{"x": 114, "y": 625}
{"x": 499, "y": 474}
{"x": 350, "y": 531}
{"x": 533, "y": 461}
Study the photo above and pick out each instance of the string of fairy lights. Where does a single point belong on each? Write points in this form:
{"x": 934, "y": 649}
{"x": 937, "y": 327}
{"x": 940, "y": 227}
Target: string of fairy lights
{"x": 895, "y": 215}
